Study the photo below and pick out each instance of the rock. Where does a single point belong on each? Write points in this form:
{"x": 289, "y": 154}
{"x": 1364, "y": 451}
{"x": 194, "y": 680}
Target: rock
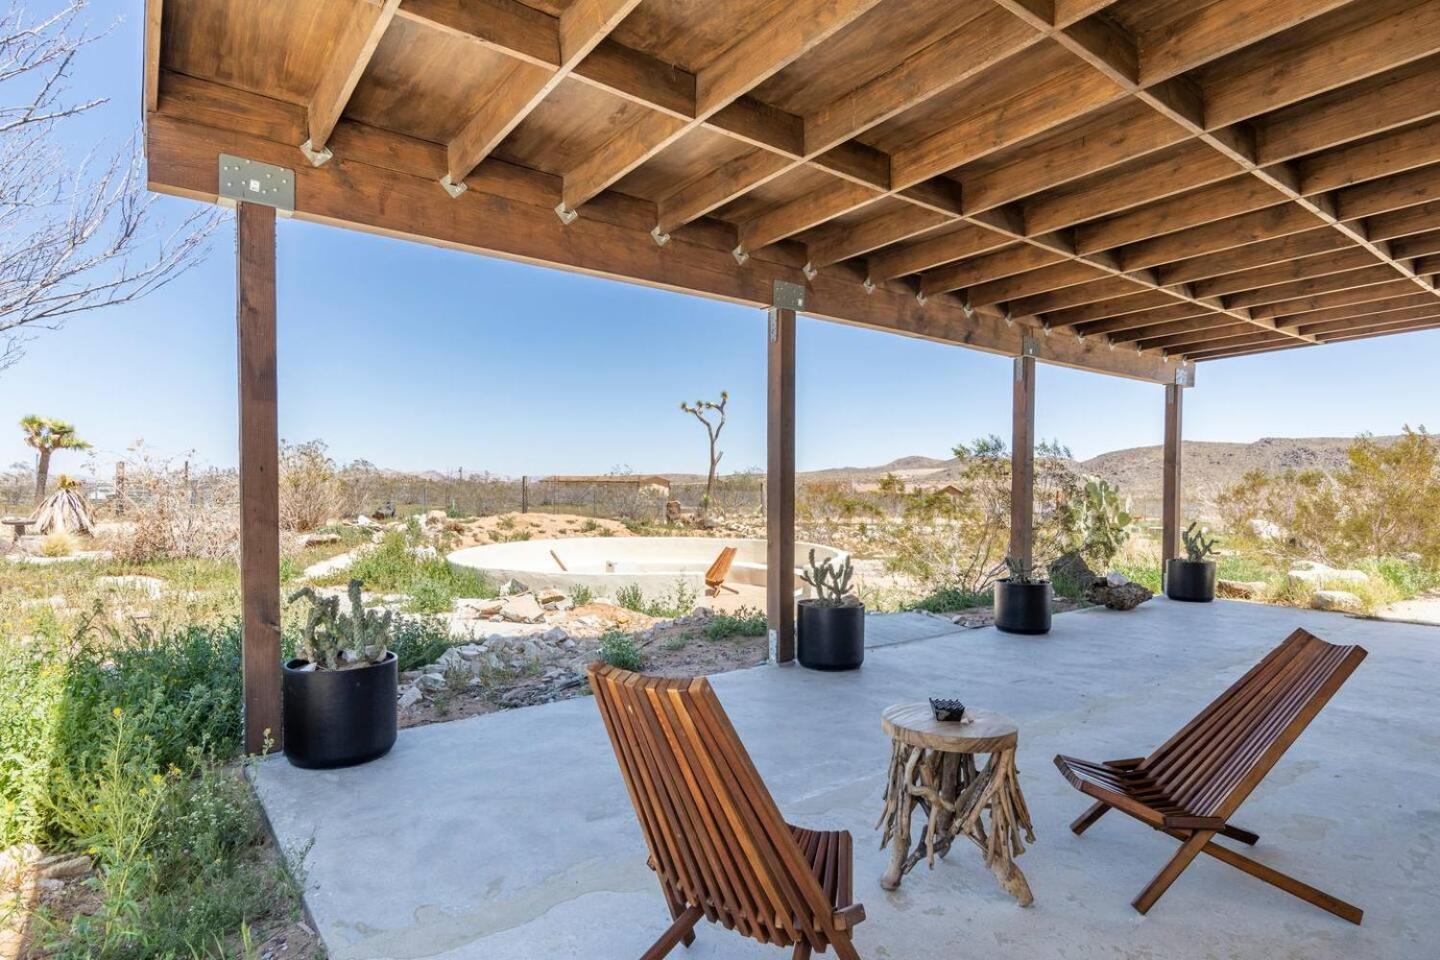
{"x": 512, "y": 587}
{"x": 151, "y": 587}
{"x": 544, "y": 597}
{"x": 431, "y": 682}
{"x": 409, "y": 696}
{"x": 1266, "y": 529}
{"x": 475, "y": 608}
{"x": 318, "y": 539}
{"x": 1072, "y": 568}
{"x": 555, "y": 635}
{"x": 332, "y": 565}
{"x": 410, "y": 676}
{"x": 1341, "y": 600}
{"x": 701, "y": 614}
{"x": 1310, "y": 573}
{"x": 470, "y": 651}
{"x": 1241, "y": 589}
{"x": 522, "y": 609}
{"x": 435, "y": 518}
{"x": 1117, "y": 593}
{"x": 364, "y": 521}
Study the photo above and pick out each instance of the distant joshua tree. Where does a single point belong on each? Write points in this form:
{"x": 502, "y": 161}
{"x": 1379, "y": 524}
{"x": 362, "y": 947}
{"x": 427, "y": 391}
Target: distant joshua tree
{"x": 46, "y": 435}
{"x": 712, "y": 415}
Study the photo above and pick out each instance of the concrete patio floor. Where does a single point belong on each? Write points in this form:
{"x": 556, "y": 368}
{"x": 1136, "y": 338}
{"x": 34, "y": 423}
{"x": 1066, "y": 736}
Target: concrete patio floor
{"x": 510, "y": 836}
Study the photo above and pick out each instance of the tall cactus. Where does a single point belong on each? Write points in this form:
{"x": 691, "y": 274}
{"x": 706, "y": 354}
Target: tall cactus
{"x": 1197, "y": 547}
{"x": 333, "y": 640}
{"x": 831, "y": 582}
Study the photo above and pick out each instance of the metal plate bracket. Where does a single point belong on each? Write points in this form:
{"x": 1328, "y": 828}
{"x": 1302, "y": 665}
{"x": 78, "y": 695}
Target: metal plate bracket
{"x": 787, "y": 295}
{"x": 1029, "y": 346}
{"x": 250, "y": 181}
{"x": 1185, "y": 375}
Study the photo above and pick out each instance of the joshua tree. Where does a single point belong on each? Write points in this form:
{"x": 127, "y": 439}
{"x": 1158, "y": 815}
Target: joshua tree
{"x": 47, "y": 435}
{"x": 712, "y": 415}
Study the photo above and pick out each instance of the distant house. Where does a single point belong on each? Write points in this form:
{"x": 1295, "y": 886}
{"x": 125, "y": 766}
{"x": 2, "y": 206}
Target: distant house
{"x": 652, "y": 485}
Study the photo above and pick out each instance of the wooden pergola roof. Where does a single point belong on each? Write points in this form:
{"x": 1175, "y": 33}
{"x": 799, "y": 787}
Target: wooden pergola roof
{"x": 1123, "y": 186}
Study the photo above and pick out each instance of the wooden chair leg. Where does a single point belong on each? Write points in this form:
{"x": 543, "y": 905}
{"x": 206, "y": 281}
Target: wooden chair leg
{"x": 844, "y": 949}
{"x": 1087, "y": 819}
{"x": 678, "y": 931}
{"x": 677, "y": 907}
{"x": 1241, "y": 834}
{"x": 802, "y": 951}
{"x": 1188, "y": 851}
{"x": 1321, "y": 899}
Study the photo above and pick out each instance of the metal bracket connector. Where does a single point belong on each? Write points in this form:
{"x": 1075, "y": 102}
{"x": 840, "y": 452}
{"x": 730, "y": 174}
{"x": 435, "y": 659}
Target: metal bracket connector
{"x": 1009, "y": 320}
{"x": 453, "y": 188}
{"x": 1185, "y": 375}
{"x": 317, "y": 158}
{"x": 920, "y": 297}
{"x": 787, "y": 295}
{"x": 810, "y": 270}
{"x": 868, "y": 286}
{"x": 566, "y": 214}
{"x": 740, "y": 255}
{"x": 1029, "y": 346}
{"x": 1045, "y": 328}
{"x": 250, "y": 181}
{"x": 969, "y": 310}
{"x": 660, "y": 238}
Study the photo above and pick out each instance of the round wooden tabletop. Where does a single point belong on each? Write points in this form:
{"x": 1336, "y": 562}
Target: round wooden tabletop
{"x": 982, "y": 731}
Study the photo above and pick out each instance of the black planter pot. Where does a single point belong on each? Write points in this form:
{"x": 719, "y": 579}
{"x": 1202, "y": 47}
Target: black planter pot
{"x": 830, "y": 637}
{"x": 1190, "y": 580}
{"x": 338, "y": 718}
{"x": 1022, "y": 607}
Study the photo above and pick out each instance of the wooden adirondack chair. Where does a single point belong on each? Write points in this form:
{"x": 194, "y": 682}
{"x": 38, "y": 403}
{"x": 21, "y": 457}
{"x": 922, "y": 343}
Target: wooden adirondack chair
{"x": 717, "y": 841}
{"x": 1192, "y": 785}
{"x": 719, "y": 570}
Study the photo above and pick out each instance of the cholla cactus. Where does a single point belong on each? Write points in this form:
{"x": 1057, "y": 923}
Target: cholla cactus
{"x": 831, "y": 583}
{"x": 1197, "y": 548}
{"x": 333, "y": 640}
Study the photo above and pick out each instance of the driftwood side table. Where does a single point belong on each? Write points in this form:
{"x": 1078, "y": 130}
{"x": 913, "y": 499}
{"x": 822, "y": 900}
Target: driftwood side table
{"x": 933, "y": 766}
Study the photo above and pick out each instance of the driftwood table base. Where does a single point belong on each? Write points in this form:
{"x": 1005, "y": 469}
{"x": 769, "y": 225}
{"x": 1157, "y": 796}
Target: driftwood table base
{"x": 936, "y": 771}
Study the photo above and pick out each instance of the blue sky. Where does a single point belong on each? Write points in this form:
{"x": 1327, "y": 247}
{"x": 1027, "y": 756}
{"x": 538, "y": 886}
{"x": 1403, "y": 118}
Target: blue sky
{"x": 423, "y": 358}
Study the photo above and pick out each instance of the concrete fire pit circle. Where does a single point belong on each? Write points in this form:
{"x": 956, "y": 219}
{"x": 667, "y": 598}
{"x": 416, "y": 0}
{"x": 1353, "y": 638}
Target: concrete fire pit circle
{"x": 606, "y": 564}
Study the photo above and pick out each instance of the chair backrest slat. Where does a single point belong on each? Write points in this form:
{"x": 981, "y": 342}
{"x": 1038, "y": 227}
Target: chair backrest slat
{"x": 1212, "y": 764}
{"x": 714, "y": 833}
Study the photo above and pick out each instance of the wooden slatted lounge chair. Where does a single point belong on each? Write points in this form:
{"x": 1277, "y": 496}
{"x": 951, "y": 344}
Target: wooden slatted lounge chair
{"x": 717, "y": 841}
{"x": 719, "y": 570}
{"x": 1192, "y": 785}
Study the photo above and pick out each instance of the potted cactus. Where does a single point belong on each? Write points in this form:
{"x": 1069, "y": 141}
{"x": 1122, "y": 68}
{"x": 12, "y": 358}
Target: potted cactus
{"x": 830, "y": 627}
{"x": 1192, "y": 577}
{"x": 340, "y": 693}
{"x": 1022, "y": 600}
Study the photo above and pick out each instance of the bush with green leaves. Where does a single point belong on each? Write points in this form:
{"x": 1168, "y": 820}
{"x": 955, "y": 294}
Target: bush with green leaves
{"x": 619, "y": 649}
{"x": 395, "y": 565}
{"x": 745, "y": 622}
{"x": 676, "y": 603}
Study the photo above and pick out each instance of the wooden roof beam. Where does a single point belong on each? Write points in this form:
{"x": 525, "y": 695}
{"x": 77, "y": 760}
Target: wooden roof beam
{"x": 1281, "y": 312}
{"x": 1257, "y": 342}
{"x": 1185, "y": 324}
{"x": 353, "y": 50}
{"x": 1392, "y": 318}
{"x": 580, "y": 29}
{"x": 994, "y": 266}
{"x": 1209, "y": 336}
{"x": 1273, "y": 346}
{"x": 1420, "y": 245}
{"x": 1213, "y": 30}
{"x": 1058, "y": 276}
{"x": 1367, "y": 276}
{"x": 795, "y": 27}
{"x": 1370, "y": 106}
{"x": 1403, "y": 223}
{"x": 1393, "y": 193}
{"x": 1403, "y": 301}
{"x": 1287, "y": 271}
{"x": 1382, "y": 331}
{"x": 839, "y": 241}
{"x": 1104, "y": 320}
{"x": 1320, "y": 239}
{"x": 1385, "y": 155}
{"x": 968, "y": 241}
{"x": 1164, "y": 231}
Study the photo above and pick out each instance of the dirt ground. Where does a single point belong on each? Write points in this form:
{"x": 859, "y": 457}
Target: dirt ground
{"x": 531, "y": 526}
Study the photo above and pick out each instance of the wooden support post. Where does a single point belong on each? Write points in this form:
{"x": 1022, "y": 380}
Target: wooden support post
{"x": 1022, "y": 462}
{"x": 780, "y": 485}
{"x": 259, "y": 474}
{"x": 1170, "y": 492}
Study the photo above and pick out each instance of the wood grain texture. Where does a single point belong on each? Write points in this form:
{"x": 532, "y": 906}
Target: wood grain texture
{"x": 259, "y": 475}
{"x": 780, "y": 483}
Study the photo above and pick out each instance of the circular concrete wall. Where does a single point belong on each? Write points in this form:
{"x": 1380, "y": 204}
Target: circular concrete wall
{"x": 605, "y": 564}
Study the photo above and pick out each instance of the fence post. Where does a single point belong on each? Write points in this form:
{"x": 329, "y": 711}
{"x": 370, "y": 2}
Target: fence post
{"x": 524, "y": 494}
{"x": 120, "y": 488}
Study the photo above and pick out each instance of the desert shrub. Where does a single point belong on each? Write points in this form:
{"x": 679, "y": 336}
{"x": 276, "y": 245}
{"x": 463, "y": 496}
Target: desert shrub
{"x": 619, "y": 650}
{"x": 679, "y": 601}
{"x": 581, "y": 595}
{"x": 58, "y": 544}
{"x": 172, "y": 516}
{"x": 1147, "y": 575}
{"x": 947, "y": 599}
{"x": 956, "y": 538}
{"x": 745, "y": 622}
{"x": 1408, "y": 577}
{"x": 310, "y": 491}
{"x": 394, "y": 566}
{"x": 1382, "y": 503}
{"x": 418, "y": 641}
